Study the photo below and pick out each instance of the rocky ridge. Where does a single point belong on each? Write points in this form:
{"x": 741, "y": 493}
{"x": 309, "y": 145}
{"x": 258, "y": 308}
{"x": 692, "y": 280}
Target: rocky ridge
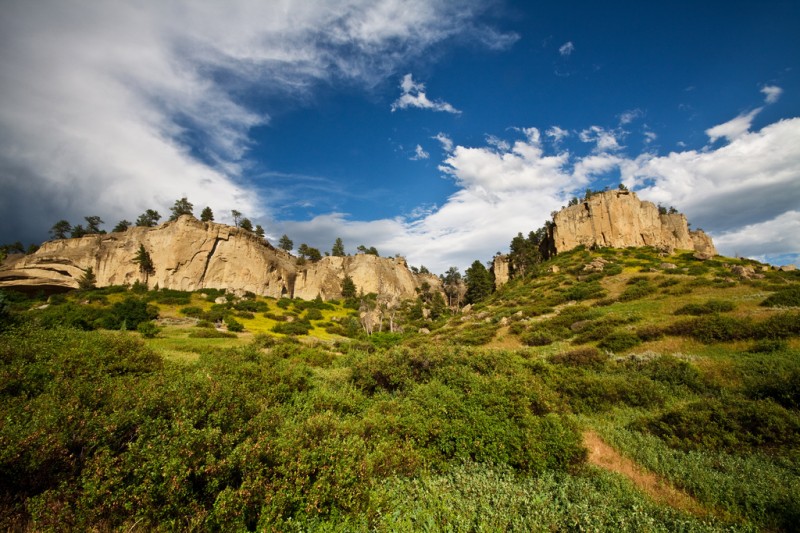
{"x": 188, "y": 254}
{"x": 615, "y": 219}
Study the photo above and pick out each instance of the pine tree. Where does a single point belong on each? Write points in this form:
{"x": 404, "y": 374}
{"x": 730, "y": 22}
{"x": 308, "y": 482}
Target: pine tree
{"x": 88, "y": 280}
{"x": 60, "y": 229}
{"x": 479, "y": 282}
{"x": 181, "y": 207}
{"x": 260, "y": 231}
{"x": 237, "y": 215}
{"x": 338, "y": 248}
{"x": 93, "y": 224}
{"x": 348, "y": 288}
{"x": 148, "y": 219}
{"x": 122, "y": 225}
{"x": 206, "y": 215}
{"x": 285, "y": 243}
{"x": 246, "y": 224}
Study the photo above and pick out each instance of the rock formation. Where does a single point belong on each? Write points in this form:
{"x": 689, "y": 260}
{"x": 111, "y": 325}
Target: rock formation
{"x": 501, "y": 269}
{"x": 188, "y": 254}
{"x": 618, "y": 219}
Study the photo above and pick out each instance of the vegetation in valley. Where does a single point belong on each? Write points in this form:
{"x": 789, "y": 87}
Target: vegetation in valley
{"x": 135, "y": 409}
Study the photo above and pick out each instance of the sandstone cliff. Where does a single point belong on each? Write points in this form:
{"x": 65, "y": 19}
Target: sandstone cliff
{"x": 618, "y": 219}
{"x": 188, "y": 254}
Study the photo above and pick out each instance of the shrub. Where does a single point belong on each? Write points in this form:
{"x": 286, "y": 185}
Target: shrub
{"x": 192, "y": 311}
{"x": 589, "y": 356}
{"x": 297, "y": 327}
{"x": 233, "y": 325}
{"x": 649, "y": 333}
{"x": 148, "y": 329}
{"x": 711, "y": 328}
{"x": 640, "y": 289}
{"x": 733, "y": 424}
{"x": 583, "y": 291}
{"x": 785, "y": 297}
{"x": 707, "y": 308}
{"x": 619, "y": 341}
{"x": 314, "y": 314}
{"x": 779, "y": 326}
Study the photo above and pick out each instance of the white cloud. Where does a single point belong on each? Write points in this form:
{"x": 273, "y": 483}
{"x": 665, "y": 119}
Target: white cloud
{"x": 556, "y": 133}
{"x": 566, "y": 49}
{"x": 414, "y": 96}
{"x": 745, "y": 194}
{"x": 734, "y": 128}
{"x": 105, "y": 104}
{"x": 447, "y": 143}
{"x": 605, "y": 140}
{"x": 419, "y": 153}
{"x": 649, "y": 135}
{"x": 629, "y": 116}
{"x": 771, "y": 93}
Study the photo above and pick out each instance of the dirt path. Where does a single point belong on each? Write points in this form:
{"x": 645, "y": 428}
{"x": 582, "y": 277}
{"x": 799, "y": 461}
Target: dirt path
{"x": 607, "y": 458}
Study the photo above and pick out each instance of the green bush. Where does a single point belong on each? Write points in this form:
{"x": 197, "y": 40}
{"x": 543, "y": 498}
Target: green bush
{"x": 711, "y": 328}
{"x": 650, "y": 333}
{"x": 711, "y": 424}
{"x": 587, "y": 357}
{"x": 619, "y": 341}
{"x": 296, "y": 327}
{"x": 148, "y": 329}
{"x": 784, "y": 297}
{"x": 779, "y": 326}
{"x": 707, "y": 308}
{"x": 639, "y": 289}
{"x": 192, "y": 311}
{"x": 314, "y": 314}
{"x": 233, "y": 325}
{"x": 583, "y": 291}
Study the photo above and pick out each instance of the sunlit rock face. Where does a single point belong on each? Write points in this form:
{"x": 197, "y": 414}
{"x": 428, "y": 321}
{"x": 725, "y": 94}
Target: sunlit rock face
{"x": 188, "y": 255}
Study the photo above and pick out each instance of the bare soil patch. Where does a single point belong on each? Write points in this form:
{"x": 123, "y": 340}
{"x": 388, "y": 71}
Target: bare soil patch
{"x": 604, "y": 456}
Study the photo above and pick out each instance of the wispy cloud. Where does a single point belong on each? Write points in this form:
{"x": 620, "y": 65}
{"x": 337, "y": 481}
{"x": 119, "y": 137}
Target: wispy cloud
{"x": 556, "y": 133}
{"x": 604, "y": 140}
{"x": 566, "y": 49}
{"x": 419, "y": 153}
{"x": 413, "y": 95}
{"x": 108, "y": 100}
{"x": 447, "y": 142}
{"x": 734, "y": 128}
{"x": 771, "y": 93}
{"x": 629, "y": 116}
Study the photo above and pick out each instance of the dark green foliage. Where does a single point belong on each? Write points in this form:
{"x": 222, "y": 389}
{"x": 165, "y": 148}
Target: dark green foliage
{"x": 348, "y": 288}
{"x": 181, "y": 207}
{"x": 711, "y": 328}
{"x": 207, "y": 215}
{"x": 671, "y": 370}
{"x": 594, "y": 393}
{"x": 233, "y": 325}
{"x": 650, "y": 333}
{"x": 296, "y": 327}
{"x": 285, "y": 243}
{"x": 583, "y": 291}
{"x": 88, "y": 280}
{"x": 712, "y": 424}
{"x": 479, "y": 282}
{"x": 314, "y": 314}
{"x": 144, "y": 261}
{"x": 192, "y": 311}
{"x": 128, "y": 314}
{"x": 785, "y": 297}
{"x": 476, "y": 335}
{"x": 148, "y": 219}
{"x": 619, "y": 341}
{"x": 586, "y": 357}
{"x": 707, "y": 308}
{"x": 637, "y": 288}
{"x": 148, "y": 329}
{"x": 253, "y": 306}
{"x": 170, "y": 297}
{"x": 338, "y": 248}
{"x": 779, "y": 326}
{"x": 61, "y": 229}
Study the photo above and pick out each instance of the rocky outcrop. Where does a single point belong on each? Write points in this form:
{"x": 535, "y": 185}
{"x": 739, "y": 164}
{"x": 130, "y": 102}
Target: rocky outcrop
{"x": 188, "y": 254}
{"x": 618, "y": 219}
{"x": 501, "y": 269}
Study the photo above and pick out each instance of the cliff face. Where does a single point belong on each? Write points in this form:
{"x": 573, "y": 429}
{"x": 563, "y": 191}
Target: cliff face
{"x": 618, "y": 219}
{"x": 188, "y": 255}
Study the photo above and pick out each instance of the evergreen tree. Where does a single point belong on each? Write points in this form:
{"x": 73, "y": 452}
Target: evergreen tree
{"x": 148, "y": 219}
{"x": 60, "y": 229}
{"x": 338, "y": 248}
{"x": 181, "y": 207}
{"x": 348, "y": 288}
{"x": 88, "y": 280}
{"x": 93, "y": 224}
{"x": 314, "y": 254}
{"x": 144, "y": 261}
{"x": 237, "y": 215}
{"x": 260, "y": 231}
{"x": 122, "y": 225}
{"x": 479, "y": 282}
{"x": 285, "y": 243}
{"x": 246, "y": 224}
{"x": 206, "y": 215}
{"x": 371, "y": 250}
{"x": 303, "y": 250}
{"x": 454, "y": 286}
{"x": 77, "y": 231}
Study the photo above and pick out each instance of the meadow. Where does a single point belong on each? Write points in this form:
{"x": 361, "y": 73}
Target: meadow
{"x": 126, "y": 409}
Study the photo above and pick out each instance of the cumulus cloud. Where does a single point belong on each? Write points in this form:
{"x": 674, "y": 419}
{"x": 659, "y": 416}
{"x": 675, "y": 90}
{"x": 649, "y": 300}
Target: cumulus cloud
{"x": 566, "y": 49}
{"x": 413, "y": 95}
{"x": 556, "y": 133}
{"x": 604, "y": 140}
{"x": 419, "y": 153}
{"x": 629, "y": 116}
{"x": 745, "y": 194}
{"x": 771, "y": 93}
{"x": 734, "y": 128}
{"x": 112, "y": 108}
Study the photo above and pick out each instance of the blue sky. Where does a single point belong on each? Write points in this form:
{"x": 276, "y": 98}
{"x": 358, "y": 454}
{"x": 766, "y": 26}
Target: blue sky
{"x": 437, "y": 130}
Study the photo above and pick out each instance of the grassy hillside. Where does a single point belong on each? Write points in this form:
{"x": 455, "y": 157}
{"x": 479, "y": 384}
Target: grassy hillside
{"x": 684, "y": 372}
